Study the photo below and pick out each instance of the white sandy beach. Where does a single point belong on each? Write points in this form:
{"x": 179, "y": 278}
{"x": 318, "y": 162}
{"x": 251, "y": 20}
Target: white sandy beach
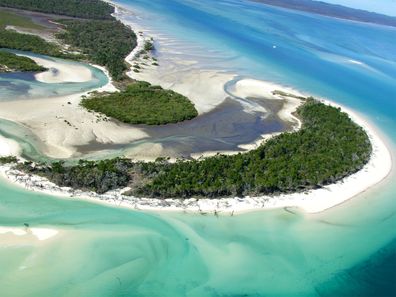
{"x": 9, "y": 147}
{"x": 246, "y": 88}
{"x": 62, "y": 125}
{"x": 203, "y": 87}
{"x": 40, "y": 233}
{"x": 313, "y": 201}
{"x": 60, "y": 72}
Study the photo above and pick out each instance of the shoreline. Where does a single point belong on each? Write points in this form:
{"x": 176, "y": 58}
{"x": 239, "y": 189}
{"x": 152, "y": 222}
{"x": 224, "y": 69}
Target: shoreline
{"x": 203, "y": 87}
{"x": 314, "y": 201}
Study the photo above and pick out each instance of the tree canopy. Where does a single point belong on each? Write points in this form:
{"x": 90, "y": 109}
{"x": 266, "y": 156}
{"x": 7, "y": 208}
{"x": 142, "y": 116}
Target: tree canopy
{"x": 142, "y": 103}
{"x": 13, "y": 62}
{"x": 92, "y": 9}
{"x": 27, "y": 42}
{"x": 105, "y": 43}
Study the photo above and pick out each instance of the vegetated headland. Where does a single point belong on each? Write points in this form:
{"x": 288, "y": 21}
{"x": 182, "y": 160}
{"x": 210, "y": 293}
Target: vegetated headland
{"x": 328, "y": 147}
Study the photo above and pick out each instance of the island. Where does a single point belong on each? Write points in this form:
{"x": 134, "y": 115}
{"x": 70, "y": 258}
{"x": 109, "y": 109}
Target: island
{"x": 142, "y": 103}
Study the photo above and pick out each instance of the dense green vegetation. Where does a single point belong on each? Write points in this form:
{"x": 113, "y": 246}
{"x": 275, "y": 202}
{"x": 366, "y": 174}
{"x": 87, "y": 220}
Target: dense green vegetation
{"x": 142, "y": 103}
{"x": 94, "y": 9}
{"x": 13, "y": 62}
{"x": 105, "y": 43}
{"x": 148, "y": 46}
{"x": 31, "y": 43}
{"x": 328, "y": 147}
{"x": 100, "y": 176}
{"x": 8, "y": 160}
{"x": 11, "y": 19}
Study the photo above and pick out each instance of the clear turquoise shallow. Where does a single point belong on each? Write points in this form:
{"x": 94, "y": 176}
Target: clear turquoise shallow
{"x": 116, "y": 252}
{"x": 24, "y": 86}
{"x": 346, "y": 251}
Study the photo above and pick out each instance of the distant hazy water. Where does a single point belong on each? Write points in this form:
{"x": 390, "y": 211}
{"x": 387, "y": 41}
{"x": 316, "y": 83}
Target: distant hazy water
{"x": 346, "y": 251}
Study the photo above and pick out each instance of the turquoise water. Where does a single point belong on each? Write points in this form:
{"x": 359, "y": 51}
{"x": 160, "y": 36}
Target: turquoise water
{"x": 24, "y": 86}
{"x": 115, "y": 252}
{"x": 346, "y": 251}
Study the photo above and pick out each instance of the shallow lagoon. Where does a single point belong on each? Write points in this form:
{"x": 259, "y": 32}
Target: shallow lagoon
{"x": 24, "y": 86}
{"x": 345, "y": 251}
{"x": 102, "y": 251}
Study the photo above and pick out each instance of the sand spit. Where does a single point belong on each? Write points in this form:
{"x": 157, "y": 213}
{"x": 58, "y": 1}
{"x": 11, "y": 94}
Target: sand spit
{"x": 61, "y": 72}
{"x": 313, "y": 201}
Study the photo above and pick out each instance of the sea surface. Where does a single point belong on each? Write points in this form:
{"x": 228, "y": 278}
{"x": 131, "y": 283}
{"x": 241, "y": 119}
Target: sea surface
{"x": 349, "y": 250}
